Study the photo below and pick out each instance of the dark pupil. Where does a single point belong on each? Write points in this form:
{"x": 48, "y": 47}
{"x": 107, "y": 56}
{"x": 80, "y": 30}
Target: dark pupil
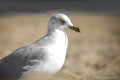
{"x": 62, "y": 21}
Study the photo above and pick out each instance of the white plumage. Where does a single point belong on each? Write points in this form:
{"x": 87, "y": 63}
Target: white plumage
{"x": 46, "y": 55}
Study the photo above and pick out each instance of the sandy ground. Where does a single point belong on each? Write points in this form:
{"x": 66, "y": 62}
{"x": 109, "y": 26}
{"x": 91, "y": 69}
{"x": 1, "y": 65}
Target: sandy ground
{"x": 92, "y": 55}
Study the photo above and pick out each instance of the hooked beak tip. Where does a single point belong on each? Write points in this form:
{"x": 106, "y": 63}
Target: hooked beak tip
{"x": 75, "y": 29}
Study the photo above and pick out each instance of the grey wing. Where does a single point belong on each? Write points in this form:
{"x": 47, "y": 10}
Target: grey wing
{"x": 13, "y": 65}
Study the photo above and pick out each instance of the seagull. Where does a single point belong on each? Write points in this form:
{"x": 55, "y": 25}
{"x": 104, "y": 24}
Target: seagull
{"x": 45, "y": 55}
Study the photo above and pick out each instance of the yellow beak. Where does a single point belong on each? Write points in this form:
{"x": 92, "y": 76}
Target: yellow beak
{"x": 75, "y": 29}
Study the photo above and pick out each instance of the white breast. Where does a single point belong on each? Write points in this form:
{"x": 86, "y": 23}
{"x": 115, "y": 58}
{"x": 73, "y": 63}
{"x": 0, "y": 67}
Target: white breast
{"x": 56, "y": 53}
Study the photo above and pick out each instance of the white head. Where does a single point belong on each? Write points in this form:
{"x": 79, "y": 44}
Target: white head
{"x": 61, "y": 21}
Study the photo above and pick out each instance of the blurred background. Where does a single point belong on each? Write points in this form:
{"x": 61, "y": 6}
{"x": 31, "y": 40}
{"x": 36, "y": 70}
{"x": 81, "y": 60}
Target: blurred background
{"x": 92, "y": 55}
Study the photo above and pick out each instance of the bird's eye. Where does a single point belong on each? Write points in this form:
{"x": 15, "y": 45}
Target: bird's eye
{"x": 62, "y": 21}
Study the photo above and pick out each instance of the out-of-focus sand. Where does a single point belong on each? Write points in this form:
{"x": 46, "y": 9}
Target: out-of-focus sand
{"x": 92, "y": 55}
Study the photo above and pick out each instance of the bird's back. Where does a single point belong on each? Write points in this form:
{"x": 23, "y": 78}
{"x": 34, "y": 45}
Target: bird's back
{"x": 15, "y": 64}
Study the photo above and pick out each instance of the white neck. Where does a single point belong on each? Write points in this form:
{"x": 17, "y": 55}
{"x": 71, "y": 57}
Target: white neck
{"x": 57, "y": 52}
{"x": 57, "y": 47}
